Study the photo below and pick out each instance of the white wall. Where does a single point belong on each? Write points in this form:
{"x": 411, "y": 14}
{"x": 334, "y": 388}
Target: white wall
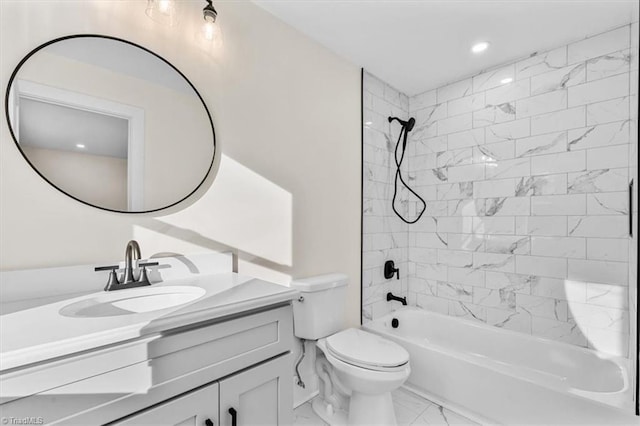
{"x": 286, "y": 111}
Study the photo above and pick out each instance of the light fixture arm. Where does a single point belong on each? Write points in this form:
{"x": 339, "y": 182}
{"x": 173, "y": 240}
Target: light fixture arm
{"x": 209, "y": 12}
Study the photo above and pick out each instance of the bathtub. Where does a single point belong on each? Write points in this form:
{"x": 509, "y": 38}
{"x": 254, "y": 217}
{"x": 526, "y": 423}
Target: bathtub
{"x": 493, "y": 375}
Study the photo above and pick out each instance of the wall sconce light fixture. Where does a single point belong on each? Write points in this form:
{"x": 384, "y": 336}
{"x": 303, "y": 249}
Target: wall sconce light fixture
{"x": 163, "y": 11}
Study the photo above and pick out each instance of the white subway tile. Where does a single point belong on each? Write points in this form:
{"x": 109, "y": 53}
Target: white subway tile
{"x": 494, "y": 188}
{"x": 543, "y": 307}
{"x": 453, "y": 291}
{"x": 599, "y": 90}
{"x": 467, "y": 104}
{"x": 559, "y": 247}
{"x": 454, "y": 157}
{"x": 607, "y": 295}
{"x": 561, "y": 120}
{"x": 422, "y": 100}
{"x": 430, "y": 240}
{"x": 455, "y": 90}
{"x": 542, "y": 225}
{"x": 574, "y": 291}
{"x": 563, "y": 205}
{"x": 494, "y": 225}
{"x": 542, "y": 185}
{"x": 510, "y": 206}
{"x": 608, "y": 111}
{"x": 456, "y": 258}
{"x": 599, "y": 136}
{"x": 598, "y": 271}
{"x": 469, "y": 242}
{"x": 494, "y": 262}
{"x": 431, "y": 271}
{"x": 608, "y": 341}
{"x": 604, "y": 180}
{"x": 508, "y": 168}
{"x": 493, "y": 78}
{"x": 465, "y": 173}
{"x": 454, "y": 191}
{"x": 468, "y": 207}
{"x": 466, "y": 276}
{"x": 600, "y": 317}
{"x": 518, "y": 320}
{"x": 507, "y": 131}
{"x": 608, "y": 157}
{"x": 598, "y": 226}
{"x": 432, "y": 303}
{"x": 558, "y": 79}
{"x": 567, "y": 332}
{"x": 608, "y": 65}
{"x": 507, "y": 244}
{"x": 467, "y": 138}
{"x": 558, "y": 163}
{"x": 508, "y": 92}
{"x": 494, "y": 152}
{"x": 493, "y": 114}
{"x": 494, "y": 298}
{"x": 608, "y": 203}
{"x": 541, "y": 63}
{"x": 456, "y": 225}
{"x": 454, "y": 124}
{"x": 542, "y": 266}
{"x": 592, "y": 47}
{"x": 615, "y": 249}
{"x": 541, "y": 104}
{"x": 543, "y": 144}
{"x": 519, "y": 284}
{"x": 430, "y": 114}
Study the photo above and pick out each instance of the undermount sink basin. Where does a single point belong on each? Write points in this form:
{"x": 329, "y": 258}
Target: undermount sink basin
{"x": 132, "y": 301}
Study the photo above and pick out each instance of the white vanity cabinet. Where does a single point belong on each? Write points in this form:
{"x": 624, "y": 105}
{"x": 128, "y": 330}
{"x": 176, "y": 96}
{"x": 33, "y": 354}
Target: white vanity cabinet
{"x": 260, "y": 395}
{"x": 191, "y": 375}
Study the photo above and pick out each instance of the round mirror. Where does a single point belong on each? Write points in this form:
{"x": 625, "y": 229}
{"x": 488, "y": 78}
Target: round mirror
{"x": 110, "y": 123}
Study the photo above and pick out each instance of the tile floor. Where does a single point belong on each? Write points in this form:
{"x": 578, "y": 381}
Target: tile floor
{"x": 410, "y": 408}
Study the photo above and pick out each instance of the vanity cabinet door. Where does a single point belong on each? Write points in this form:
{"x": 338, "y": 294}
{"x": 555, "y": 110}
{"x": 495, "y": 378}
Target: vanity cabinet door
{"x": 262, "y": 395}
{"x": 196, "y": 408}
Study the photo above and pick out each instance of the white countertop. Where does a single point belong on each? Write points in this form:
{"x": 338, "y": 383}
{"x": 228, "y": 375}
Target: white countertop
{"x": 35, "y": 334}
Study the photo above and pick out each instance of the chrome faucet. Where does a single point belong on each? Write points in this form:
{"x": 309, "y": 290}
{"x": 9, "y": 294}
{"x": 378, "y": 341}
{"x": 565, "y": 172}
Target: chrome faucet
{"x": 131, "y": 254}
{"x": 131, "y": 263}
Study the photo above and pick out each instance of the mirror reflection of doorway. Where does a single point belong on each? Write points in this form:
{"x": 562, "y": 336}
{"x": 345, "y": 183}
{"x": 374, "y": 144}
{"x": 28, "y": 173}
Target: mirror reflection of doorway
{"x": 82, "y": 143}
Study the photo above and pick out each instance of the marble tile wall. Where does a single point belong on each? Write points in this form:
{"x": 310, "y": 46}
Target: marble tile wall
{"x": 526, "y": 185}
{"x": 385, "y": 237}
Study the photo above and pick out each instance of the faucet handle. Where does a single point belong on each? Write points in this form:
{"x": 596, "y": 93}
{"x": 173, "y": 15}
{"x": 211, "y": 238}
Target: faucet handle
{"x": 106, "y": 268}
{"x": 145, "y": 264}
{"x": 113, "y": 276}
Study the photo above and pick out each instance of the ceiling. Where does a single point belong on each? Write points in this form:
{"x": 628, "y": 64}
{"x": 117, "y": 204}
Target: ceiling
{"x": 422, "y": 44}
{"x": 51, "y": 126}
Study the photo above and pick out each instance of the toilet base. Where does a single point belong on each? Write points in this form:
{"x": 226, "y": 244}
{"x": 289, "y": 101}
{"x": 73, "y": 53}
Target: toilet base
{"x": 371, "y": 409}
{"x": 328, "y": 413}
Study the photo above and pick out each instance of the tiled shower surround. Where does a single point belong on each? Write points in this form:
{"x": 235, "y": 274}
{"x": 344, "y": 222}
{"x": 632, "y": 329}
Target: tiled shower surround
{"x": 526, "y": 185}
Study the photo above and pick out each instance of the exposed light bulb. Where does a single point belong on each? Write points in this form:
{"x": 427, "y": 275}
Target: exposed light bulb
{"x": 210, "y": 33}
{"x": 164, "y": 6}
{"x": 480, "y": 47}
{"x": 164, "y": 12}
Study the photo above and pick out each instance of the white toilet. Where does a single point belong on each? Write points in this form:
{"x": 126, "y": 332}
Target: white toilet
{"x": 365, "y": 367}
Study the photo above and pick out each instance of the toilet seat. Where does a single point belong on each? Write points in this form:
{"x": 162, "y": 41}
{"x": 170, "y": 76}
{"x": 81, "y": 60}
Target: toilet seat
{"x": 367, "y": 350}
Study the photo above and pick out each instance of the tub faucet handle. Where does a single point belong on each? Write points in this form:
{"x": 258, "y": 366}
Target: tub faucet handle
{"x": 390, "y": 269}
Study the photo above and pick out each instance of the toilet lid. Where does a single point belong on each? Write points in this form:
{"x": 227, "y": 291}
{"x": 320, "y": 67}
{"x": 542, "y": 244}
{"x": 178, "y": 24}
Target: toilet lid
{"x": 358, "y": 347}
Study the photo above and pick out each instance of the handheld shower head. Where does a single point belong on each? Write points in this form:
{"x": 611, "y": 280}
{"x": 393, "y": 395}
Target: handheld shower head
{"x": 408, "y": 125}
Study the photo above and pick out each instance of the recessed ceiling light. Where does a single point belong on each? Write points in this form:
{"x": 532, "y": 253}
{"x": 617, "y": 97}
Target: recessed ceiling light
{"x": 480, "y": 47}
{"x": 506, "y": 80}
{"x": 80, "y": 145}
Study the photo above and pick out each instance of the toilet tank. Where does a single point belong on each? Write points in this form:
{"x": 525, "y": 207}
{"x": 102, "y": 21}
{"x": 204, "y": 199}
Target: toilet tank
{"x": 320, "y": 312}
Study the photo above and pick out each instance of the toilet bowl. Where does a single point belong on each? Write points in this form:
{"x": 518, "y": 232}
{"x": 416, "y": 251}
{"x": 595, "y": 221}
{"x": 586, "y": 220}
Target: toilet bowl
{"x": 366, "y": 366}
{"x": 370, "y": 367}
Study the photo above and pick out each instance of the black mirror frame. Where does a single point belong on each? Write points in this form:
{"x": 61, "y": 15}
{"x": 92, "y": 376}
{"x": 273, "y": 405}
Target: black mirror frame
{"x": 42, "y": 46}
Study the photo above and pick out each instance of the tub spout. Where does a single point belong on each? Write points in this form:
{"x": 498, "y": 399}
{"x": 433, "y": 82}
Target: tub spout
{"x": 391, "y": 297}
